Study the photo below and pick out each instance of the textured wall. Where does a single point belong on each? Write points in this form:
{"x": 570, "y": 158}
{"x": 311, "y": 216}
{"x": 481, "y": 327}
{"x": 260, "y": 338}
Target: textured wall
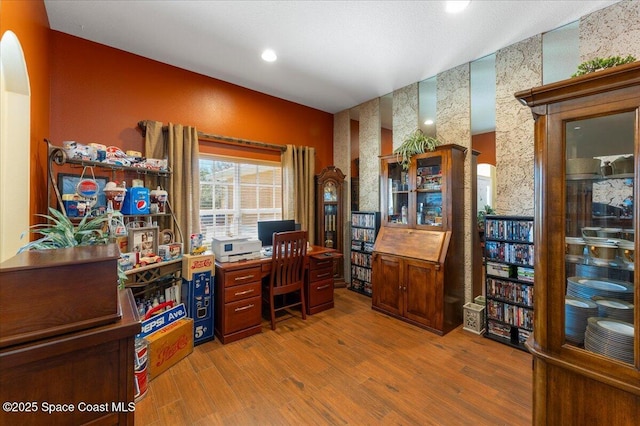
{"x": 405, "y": 113}
{"x": 342, "y": 160}
{"x": 453, "y": 125}
{"x": 518, "y": 67}
{"x": 612, "y": 31}
{"x": 369, "y": 152}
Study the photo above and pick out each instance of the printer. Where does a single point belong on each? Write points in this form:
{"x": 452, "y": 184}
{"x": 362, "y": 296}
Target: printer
{"x": 234, "y": 249}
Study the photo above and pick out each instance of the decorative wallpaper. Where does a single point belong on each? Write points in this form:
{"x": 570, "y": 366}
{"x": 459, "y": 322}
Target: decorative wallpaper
{"x": 369, "y": 155}
{"x": 612, "y": 31}
{"x": 405, "y": 113}
{"x": 342, "y": 160}
{"x": 518, "y": 67}
{"x": 453, "y": 125}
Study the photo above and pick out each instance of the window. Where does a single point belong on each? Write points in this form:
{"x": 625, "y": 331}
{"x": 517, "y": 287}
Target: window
{"x": 236, "y": 193}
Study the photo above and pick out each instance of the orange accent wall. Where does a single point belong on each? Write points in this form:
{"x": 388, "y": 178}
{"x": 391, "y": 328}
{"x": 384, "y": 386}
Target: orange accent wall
{"x": 100, "y": 93}
{"x": 485, "y": 143}
{"x": 386, "y": 146}
{"x": 29, "y": 21}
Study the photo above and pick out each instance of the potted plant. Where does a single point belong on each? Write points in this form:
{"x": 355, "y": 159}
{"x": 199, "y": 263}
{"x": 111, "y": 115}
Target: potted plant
{"x": 416, "y": 143}
{"x": 481, "y": 215}
{"x": 598, "y": 64}
{"x": 60, "y": 232}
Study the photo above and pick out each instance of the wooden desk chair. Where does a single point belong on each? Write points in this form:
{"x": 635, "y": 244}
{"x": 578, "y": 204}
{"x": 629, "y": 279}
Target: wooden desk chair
{"x": 287, "y": 273}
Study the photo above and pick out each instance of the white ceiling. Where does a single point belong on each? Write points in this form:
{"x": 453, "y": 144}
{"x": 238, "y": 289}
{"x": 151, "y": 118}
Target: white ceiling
{"x": 332, "y": 55}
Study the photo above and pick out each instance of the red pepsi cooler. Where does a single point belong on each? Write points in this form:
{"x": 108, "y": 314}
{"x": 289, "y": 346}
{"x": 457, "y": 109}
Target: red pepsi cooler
{"x": 136, "y": 201}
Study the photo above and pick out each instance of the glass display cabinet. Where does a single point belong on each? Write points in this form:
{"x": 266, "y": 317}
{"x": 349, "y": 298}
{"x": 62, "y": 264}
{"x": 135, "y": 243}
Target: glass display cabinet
{"x": 422, "y": 196}
{"x": 586, "y": 342}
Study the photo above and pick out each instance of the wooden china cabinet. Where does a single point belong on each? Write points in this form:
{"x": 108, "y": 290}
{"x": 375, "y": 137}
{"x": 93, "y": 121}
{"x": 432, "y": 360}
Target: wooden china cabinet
{"x": 330, "y": 215}
{"x": 586, "y": 343}
{"x": 418, "y": 258}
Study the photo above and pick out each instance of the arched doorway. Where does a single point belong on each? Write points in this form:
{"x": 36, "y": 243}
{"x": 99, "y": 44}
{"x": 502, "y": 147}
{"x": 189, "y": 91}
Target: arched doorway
{"x": 15, "y": 119}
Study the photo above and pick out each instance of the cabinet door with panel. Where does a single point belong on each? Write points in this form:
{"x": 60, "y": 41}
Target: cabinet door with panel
{"x": 586, "y": 338}
{"x": 422, "y": 300}
{"x": 387, "y": 283}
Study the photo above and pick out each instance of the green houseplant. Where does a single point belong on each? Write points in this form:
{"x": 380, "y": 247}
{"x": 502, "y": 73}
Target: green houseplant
{"x": 598, "y": 64}
{"x": 481, "y": 215}
{"x": 60, "y": 232}
{"x": 416, "y": 143}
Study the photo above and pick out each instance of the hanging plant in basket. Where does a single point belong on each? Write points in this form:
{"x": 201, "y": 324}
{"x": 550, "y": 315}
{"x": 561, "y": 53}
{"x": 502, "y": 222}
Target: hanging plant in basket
{"x": 598, "y": 64}
{"x": 416, "y": 143}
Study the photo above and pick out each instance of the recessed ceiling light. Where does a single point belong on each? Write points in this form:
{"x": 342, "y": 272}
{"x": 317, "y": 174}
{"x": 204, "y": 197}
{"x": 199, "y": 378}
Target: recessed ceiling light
{"x": 456, "y": 6}
{"x": 428, "y": 122}
{"x": 269, "y": 55}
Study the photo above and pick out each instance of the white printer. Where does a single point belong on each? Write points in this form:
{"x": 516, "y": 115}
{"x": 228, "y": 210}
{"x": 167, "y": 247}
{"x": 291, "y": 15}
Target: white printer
{"x": 233, "y": 249}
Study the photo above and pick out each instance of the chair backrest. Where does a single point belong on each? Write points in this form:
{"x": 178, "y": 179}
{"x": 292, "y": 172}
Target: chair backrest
{"x": 287, "y": 264}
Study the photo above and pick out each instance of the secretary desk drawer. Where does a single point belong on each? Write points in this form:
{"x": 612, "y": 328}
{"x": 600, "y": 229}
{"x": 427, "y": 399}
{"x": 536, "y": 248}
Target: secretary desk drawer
{"x": 242, "y": 314}
{"x": 242, "y": 276}
{"x": 244, "y": 291}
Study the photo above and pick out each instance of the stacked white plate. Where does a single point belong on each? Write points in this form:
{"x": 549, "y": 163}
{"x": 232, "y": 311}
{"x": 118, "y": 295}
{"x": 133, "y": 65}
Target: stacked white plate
{"x": 610, "y": 337}
{"x": 587, "y": 288}
{"x": 576, "y": 313}
{"x": 614, "y": 308}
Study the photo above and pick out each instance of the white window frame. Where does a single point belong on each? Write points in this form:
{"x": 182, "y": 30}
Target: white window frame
{"x": 236, "y": 213}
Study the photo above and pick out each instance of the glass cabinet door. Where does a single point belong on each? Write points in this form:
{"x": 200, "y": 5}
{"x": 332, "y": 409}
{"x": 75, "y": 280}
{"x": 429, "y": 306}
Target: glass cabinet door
{"x": 600, "y": 235}
{"x": 429, "y": 191}
{"x": 397, "y": 199}
{"x": 330, "y": 197}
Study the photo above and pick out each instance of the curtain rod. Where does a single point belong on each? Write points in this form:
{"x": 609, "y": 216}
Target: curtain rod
{"x": 225, "y": 139}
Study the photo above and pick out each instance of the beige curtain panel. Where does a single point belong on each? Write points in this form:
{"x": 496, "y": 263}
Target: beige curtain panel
{"x": 298, "y": 187}
{"x": 180, "y": 145}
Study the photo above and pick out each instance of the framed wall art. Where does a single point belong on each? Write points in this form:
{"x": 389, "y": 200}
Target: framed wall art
{"x": 68, "y": 183}
{"x": 144, "y": 240}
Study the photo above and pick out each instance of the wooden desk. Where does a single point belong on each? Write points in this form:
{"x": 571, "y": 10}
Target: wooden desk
{"x": 238, "y": 294}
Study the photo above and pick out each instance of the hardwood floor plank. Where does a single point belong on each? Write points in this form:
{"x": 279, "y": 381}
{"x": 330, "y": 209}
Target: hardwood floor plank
{"x": 348, "y": 365}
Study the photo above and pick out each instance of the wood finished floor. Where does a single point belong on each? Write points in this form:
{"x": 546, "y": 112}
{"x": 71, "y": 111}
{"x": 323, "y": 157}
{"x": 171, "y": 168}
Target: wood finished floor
{"x": 346, "y": 366}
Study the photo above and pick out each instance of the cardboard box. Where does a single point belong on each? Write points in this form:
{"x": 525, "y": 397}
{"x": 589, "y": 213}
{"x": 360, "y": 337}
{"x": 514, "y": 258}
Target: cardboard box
{"x": 169, "y": 345}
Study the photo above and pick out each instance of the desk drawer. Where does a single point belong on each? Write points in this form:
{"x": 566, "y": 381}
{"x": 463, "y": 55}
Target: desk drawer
{"x": 320, "y": 292}
{"x": 242, "y": 314}
{"x": 321, "y": 274}
{"x": 320, "y": 263}
{"x": 244, "y": 291}
{"x": 242, "y": 276}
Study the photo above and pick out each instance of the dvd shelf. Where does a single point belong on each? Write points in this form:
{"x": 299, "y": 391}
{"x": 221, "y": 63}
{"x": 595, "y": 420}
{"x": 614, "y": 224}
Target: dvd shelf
{"x": 364, "y": 230}
{"x": 509, "y": 287}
